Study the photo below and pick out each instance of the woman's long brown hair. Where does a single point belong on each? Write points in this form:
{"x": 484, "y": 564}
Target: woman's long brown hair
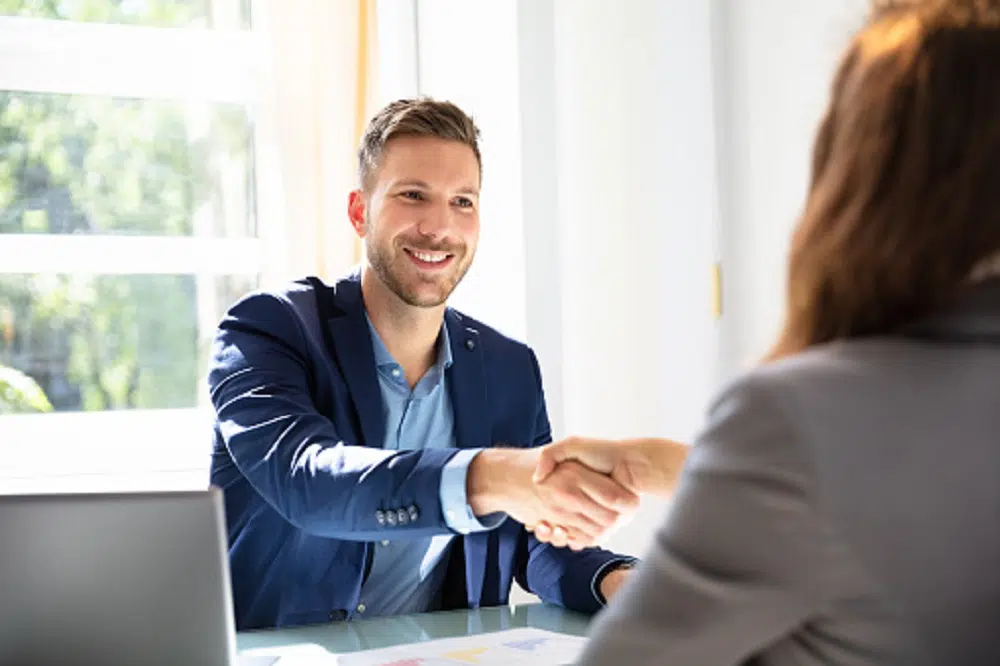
{"x": 904, "y": 198}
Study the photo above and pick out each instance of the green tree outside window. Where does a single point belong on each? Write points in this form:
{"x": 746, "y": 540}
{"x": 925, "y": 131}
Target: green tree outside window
{"x": 97, "y": 165}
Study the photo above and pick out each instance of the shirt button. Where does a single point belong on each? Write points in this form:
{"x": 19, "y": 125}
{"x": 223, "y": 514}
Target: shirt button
{"x": 362, "y": 608}
{"x": 396, "y": 372}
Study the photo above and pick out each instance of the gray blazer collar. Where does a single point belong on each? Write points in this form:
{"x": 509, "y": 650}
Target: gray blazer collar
{"x": 973, "y": 318}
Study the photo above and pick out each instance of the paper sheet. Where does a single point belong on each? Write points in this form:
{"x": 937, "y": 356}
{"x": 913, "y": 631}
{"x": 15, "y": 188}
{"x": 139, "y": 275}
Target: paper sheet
{"x": 514, "y": 647}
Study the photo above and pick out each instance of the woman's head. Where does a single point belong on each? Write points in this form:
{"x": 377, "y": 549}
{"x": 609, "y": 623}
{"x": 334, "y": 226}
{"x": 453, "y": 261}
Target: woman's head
{"x": 904, "y": 199}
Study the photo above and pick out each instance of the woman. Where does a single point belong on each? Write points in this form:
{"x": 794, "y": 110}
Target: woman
{"x": 843, "y": 504}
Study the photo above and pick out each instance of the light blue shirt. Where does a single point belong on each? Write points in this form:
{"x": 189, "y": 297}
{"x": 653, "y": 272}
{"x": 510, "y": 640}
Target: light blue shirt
{"x": 407, "y": 574}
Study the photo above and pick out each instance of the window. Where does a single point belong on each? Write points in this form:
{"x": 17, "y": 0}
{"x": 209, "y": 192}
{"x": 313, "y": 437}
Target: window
{"x": 157, "y": 13}
{"x": 129, "y": 134}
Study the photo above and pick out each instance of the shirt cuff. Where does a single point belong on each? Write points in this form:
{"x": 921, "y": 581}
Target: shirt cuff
{"x": 606, "y": 568}
{"x": 458, "y": 514}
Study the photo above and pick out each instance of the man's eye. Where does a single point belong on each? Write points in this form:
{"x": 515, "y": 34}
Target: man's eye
{"x": 412, "y": 195}
{"x": 463, "y": 202}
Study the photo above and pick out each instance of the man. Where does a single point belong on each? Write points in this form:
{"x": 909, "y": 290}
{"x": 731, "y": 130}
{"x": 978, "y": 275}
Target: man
{"x": 359, "y": 426}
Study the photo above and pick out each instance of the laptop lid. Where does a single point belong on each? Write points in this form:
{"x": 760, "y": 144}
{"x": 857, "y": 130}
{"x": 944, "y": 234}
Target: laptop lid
{"x": 137, "y": 578}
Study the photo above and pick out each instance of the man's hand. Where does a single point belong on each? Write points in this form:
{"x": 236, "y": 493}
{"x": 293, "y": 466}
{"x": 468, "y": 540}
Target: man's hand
{"x": 641, "y": 465}
{"x": 583, "y": 503}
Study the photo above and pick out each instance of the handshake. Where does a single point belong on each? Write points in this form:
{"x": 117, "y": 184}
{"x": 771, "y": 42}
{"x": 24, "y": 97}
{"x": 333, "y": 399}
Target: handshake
{"x": 574, "y": 492}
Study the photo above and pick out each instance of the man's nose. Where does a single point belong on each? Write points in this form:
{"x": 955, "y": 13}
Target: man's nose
{"x": 436, "y": 223}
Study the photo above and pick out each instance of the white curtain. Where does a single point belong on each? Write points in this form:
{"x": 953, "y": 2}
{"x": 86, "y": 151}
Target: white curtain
{"x": 319, "y": 65}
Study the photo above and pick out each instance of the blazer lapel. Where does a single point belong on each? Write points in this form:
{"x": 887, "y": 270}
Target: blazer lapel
{"x": 352, "y": 346}
{"x": 467, "y": 384}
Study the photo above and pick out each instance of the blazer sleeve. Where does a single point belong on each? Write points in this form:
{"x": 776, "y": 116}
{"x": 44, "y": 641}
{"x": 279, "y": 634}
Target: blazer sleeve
{"x": 559, "y": 575}
{"x": 293, "y": 456}
{"x": 741, "y": 559}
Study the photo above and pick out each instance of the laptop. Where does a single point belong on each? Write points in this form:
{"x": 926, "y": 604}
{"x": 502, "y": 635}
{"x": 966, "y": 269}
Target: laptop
{"x": 109, "y": 579}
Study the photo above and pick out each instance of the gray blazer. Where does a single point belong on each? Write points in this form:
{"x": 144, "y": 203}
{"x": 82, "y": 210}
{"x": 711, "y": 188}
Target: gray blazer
{"x": 842, "y": 507}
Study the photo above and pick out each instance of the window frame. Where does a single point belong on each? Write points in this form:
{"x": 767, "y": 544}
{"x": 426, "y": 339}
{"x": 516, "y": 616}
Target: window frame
{"x": 81, "y": 451}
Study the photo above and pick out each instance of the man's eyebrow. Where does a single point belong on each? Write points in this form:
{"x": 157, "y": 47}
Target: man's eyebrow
{"x": 411, "y": 182}
{"x": 416, "y": 182}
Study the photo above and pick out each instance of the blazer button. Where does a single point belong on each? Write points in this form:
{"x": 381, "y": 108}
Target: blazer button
{"x": 470, "y": 344}
{"x": 402, "y": 516}
{"x": 390, "y": 517}
{"x": 380, "y": 517}
{"x": 414, "y": 514}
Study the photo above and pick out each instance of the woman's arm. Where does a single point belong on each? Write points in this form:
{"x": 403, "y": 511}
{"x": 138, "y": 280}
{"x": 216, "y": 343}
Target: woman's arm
{"x": 742, "y": 558}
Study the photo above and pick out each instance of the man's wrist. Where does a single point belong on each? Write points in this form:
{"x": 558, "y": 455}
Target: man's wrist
{"x": 612, "y": 581}
{"x": 484, "y": 486}
{"x": 458, "y": 514}
{"x": 610, "y": 578}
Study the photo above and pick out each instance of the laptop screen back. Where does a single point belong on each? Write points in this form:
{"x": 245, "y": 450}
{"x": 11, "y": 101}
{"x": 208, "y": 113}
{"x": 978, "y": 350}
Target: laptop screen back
{"x": 114, "y": 579}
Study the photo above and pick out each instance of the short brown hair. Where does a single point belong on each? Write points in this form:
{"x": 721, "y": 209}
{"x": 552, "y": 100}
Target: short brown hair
{"x": 904, "y": 199}
{"x": 414, "y": 117}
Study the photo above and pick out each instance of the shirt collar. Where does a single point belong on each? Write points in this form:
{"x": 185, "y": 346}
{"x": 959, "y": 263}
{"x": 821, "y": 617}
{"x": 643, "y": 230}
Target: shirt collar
{"x": 384, "y": 359}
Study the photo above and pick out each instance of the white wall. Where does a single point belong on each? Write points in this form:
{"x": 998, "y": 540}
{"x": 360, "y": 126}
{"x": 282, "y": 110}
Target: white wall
{"x": 619, "y": 193}
{"x": 774, "y": 64}
{"x": 627, "y": 146}
{"x": 467, "y": 53}
{"x": 672, "y": 133}
{"x": 542, "y": 243}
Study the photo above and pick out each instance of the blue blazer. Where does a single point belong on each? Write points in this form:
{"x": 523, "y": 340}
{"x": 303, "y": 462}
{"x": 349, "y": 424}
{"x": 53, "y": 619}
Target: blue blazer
{"x": 308, "y": 487}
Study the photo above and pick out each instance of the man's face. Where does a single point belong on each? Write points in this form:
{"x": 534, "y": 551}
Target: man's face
{"x": 421, "y": 217}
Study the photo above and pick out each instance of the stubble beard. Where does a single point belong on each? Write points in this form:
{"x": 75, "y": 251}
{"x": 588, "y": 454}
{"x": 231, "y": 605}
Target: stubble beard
{"x": 390, "y": 272}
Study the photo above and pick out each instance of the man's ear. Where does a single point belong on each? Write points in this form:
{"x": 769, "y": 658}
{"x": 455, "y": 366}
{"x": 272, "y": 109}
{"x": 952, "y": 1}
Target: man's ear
{"x": 356, "y": 209}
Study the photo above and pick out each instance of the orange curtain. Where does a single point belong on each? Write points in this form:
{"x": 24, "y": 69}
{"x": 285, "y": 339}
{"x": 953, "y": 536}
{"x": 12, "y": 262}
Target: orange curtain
{"x": 366, "y": 66}
{"x": 321, "y": 69}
